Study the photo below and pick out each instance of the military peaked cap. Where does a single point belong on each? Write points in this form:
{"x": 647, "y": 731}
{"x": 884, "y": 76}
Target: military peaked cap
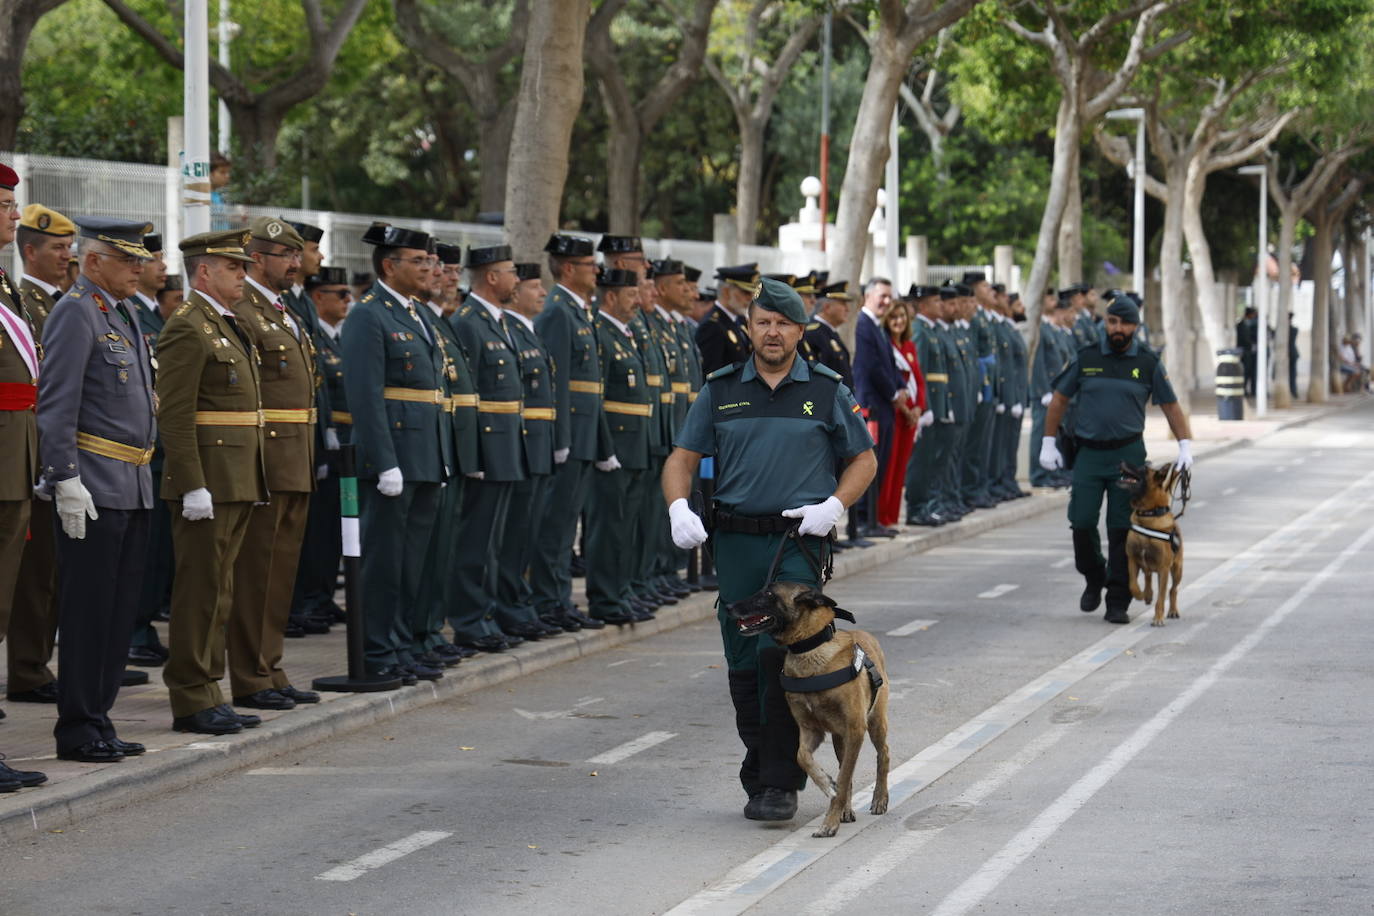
{"x": 387, "y": 236}
{"x": 838, "y": 291}
{"x": 691, "y": 273}
{"x": 224, "y": 244}
{"x": 921, "y": 291}
{"x": 742, "y": 276}
{"x": 974, "y": 276}
{"x": 124, "y": 234}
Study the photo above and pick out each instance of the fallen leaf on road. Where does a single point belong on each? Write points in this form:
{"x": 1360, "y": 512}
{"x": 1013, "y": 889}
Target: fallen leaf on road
{"x": 592, "y": 773}
{"x": 462, "y": 748}
{"x": 531, "y": 847}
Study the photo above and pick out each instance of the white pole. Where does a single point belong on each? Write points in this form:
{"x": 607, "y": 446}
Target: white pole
{"x": 893, "y": 219}
{"x": 224, "y": 37}
{"x": 1262, "y": 303}
{"x": 1138, "y": 242}
{"x": 195, "y": 158}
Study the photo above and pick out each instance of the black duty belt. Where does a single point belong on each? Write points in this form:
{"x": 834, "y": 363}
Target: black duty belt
{"x": 1106, "y": 445}
{"x": 724, "y": 520}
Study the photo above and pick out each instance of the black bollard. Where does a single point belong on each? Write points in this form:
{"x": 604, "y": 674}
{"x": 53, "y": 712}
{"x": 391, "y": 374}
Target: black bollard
{"x": 356, "y": 681}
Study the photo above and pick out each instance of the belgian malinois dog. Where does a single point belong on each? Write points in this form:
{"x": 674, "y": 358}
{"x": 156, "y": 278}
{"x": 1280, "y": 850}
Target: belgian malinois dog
{"x": 1155, "y": 543}
{"x": 835, "y": 681}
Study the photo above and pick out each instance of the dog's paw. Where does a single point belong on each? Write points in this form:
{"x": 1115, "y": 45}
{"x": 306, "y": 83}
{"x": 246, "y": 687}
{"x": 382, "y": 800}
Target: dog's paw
{"x": 1173, "y": 615}
{"x": 1156, "y": 623}
{"x": 826, "y": 830}
{"x": 879, "y": 806}
{"x": 848, "y": 816}
{"x": 1147, "y": 597}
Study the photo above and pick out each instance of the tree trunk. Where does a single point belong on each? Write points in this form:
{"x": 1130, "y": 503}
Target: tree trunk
{"x": 1320, "y": 383}
{"x": 1174, "y": 299}
{"x": 493, "y": 156}
{"x": 1066, "y": 141}
{"x": 1215, "y": 327}
{"x": 550, "y": 96}
{"x": 18, "y": 18}
{"x": 1071, "y": 226}
{"x": 749, "y": 187}
{"x": 256, "y": 127}
{"x": 623, "y": 151}
{"x": 1288, "y": 224}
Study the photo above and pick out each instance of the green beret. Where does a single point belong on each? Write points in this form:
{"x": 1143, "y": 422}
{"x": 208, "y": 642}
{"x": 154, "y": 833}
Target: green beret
{"x": 1125, "y": 308}
{"x": 777, "y": 296}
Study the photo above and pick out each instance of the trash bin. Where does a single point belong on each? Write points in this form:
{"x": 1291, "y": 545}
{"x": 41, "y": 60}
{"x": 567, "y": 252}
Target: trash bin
{"x": 1230, "y": 385}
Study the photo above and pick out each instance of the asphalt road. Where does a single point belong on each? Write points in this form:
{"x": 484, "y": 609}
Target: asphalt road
{"x": 1044, "y": 761}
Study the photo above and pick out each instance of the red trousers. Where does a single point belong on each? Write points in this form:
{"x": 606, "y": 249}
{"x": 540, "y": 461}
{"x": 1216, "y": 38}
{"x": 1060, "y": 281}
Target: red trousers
{"x": 890, "y": 496}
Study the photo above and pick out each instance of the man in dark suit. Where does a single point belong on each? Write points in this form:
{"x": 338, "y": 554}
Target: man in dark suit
{"x": 823, "y": 334}
{"x": 877, "y": 386}
{"x": 1247, "y": 341}
{"x": 721, "y": 336}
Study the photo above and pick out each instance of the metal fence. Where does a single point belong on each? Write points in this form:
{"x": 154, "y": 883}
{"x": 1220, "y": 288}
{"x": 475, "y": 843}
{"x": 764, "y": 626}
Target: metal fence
{"x": 126, "y": 190}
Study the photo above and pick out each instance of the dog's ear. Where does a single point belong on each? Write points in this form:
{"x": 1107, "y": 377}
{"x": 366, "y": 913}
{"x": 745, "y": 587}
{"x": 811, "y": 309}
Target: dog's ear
{"x": 816, "y": 598}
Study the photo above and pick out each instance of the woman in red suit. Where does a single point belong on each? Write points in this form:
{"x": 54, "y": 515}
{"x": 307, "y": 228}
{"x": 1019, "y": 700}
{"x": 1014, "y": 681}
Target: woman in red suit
{"x": 897, "y": 324}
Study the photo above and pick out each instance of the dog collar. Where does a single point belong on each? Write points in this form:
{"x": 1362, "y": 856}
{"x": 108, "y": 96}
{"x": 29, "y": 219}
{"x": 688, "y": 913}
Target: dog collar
{"x": 819, "y": 639}
{"x": 1156, "y": 512}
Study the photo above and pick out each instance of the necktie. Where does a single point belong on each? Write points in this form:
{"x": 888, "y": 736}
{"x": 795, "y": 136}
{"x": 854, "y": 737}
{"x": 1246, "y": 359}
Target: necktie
{"x": 234, "y": 325}
{"x": 122, "y": 308}
{"x": 415, "y": 317}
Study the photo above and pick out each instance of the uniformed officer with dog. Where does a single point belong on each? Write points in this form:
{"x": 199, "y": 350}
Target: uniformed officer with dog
{"x": 1112, "y": 380}
{"x": 777, "y": 427}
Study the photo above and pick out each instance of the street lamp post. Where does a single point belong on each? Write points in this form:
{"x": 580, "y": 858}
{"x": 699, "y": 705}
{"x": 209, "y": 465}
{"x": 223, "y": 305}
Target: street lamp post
{"x": 1138, "y": 204}
{"x": 1262, "y": 293}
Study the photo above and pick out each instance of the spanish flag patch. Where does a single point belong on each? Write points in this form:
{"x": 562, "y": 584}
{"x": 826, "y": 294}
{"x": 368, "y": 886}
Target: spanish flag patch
{"x": 855, "y": 409}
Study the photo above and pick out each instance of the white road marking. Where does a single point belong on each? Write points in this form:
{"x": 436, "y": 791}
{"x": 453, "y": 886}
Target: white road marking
{"x": 558, "y": 713}
{"x": 753, "y": 880}
{"x": 1060, "y": 564}
{"x": 1228, "y": 491}
{"x": 1199, "y": 503}
{"x": 387, "y": 854}
{"x": 630, "y": 748}
{"x": 907, "y": 629}
{"x": 997, "y": 591}
{"x": 623, "y": 661}
{"x": 984, "y": 881}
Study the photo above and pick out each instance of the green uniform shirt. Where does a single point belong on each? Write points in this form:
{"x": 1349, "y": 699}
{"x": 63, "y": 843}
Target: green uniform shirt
{"x": 1112, "y": 389}
{"x": 755, "y": 432}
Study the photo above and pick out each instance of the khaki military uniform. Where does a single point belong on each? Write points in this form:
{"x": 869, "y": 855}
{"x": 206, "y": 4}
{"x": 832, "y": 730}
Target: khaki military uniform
{"x": 208, "y": 386}
{"x": 265, "y": 569}
{"x": 18, "y": 442}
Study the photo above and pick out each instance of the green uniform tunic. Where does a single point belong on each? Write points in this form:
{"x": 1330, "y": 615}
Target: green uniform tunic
{"x": 930, "y": 446}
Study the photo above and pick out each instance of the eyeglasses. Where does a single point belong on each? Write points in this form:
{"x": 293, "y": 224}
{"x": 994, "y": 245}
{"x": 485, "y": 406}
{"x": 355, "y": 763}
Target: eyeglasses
{"x": 8, "y": 206}
{"x": 289, "y": 255}
{"x": 416, "y": 261}
{"x": 589, "y": 262}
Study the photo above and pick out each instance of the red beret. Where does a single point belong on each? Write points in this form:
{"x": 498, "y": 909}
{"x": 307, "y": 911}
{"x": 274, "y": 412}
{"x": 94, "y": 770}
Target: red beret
{"x": 8, "y": 177}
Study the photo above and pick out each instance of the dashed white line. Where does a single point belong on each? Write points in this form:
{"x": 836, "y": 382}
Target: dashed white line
{"x": 997, "y": 591}
{"x": 1199, "y": 503}
{"x": 1228, "y": 491}
{"x": 387, "y": 854}
{"x": 907, "y": 629}
{"x": 630, "y": 748}
{"x": 1060, "y": 564}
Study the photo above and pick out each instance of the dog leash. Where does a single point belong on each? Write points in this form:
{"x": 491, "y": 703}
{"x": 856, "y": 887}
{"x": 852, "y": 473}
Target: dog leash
{"x": 823, "y": 570}
{"x": 1183, "y": 491}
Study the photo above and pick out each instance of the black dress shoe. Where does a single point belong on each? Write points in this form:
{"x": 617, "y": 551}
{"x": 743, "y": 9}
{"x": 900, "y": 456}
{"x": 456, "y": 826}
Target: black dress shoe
{"x": 43, "y": 693}
{"x": 265, "y": 699}
{"x": 582, "y": 620}
{"x": 25, "y": 779}
{"x": 394, "y": 672}
{"x": 245, "y": 719}
{"x": 551, "y": 629}
{"x": 663, "y": 598}
{"x": 649, "y": 602}
{"x": 1118, "y": 615}
{"x": 315, "y": 624}
{"x": 163, "y": 614}
{"x": 131, "y": 678}
{"x": 9, "y": 785}
{"x": 527, "y": 631}
{"x": 425, "y": 672}
{"x": 1091, "y": 599}
{"x": 212, "y": 721}
{"x": 146, "y": 657}
{"x": 642, "y": 615}
{"x": 618, "y": 619}
{"x": 772, "y": 805}
{"x": 300, "y": 696}
{"x": 488, "y": 644}
{"x": 447, "y": 650}
{"x": 293, "y": 630}
{"x": 2, "y": 714}
{"x": 127, "y": 748}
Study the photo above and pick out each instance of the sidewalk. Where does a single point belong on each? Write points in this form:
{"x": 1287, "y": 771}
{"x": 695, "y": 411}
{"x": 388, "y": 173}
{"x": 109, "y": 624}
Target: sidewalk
{"x": 77, "y": 791}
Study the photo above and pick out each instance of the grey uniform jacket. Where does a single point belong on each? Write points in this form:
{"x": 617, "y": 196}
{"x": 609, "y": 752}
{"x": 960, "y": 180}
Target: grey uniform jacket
{"x": 96, "y": 382}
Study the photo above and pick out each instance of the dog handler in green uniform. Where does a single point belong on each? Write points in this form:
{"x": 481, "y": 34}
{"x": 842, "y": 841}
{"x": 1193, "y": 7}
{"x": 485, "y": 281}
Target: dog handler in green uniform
{"x": 1112, "y": 378}
{"x": 775, "y": 425}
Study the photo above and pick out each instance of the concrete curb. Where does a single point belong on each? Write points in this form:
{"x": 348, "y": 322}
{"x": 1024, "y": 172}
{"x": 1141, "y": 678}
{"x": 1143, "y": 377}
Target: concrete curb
{"x": 127, "y": 783}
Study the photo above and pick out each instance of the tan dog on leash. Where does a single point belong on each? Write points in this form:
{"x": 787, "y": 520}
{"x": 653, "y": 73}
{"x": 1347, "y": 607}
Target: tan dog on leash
{"x": 836, "y": 684}
{"x": 1155, "y": 544}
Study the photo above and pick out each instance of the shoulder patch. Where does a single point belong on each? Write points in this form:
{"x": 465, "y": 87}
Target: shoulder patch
{"x": 184, "y": 308}
{"x": 368, "y": 296}
{"x": 823, "y": 369}
{"x": 724, "y": 371}
{"x": 813, "y": 326}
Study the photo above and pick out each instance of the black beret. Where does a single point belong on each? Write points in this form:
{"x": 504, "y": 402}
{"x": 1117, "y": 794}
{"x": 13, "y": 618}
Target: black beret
{"x": 307, "y": 231}
{"x": 527, "y": 271}
{"x": 449, "y": 254}
{"x": 153, "y": 242}
{"x": 171, "y": 283}
{"x": 691, "y": 273}
{"x": 327, "y": 276}
{"x": 387, "y": 236}
{"x": 666, "y": 267}
{"x": 1125, "y": 308}
{"x": 961, "y": 289}
{"x": 569, "y": 246}
{"x": 921, "y": 291}
{"x": 613, "y": 278}
{"x": 974, "y": 276}
{"x": 619, "y": 244}
{"x": 492, "y": 254}
{"x": 949, "y": 291}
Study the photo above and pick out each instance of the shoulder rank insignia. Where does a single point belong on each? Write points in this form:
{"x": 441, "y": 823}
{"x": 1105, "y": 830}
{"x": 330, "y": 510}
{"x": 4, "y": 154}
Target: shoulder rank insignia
{"x": 723, "y": 371}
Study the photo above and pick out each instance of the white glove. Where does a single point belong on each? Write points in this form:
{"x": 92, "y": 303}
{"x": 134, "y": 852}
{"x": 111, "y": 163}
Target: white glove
{"x": 688, "y": 531}
{"x": 1045, "y": 400}
{"x": 927, "y": 418}
{"x": 610, "y": 464}
{"x": 41, "y": 491}
{"x": 1050, "y": 459}
{"x": 389, "y": 482}
{"x": 1001, "y": 408}
{"x": 1017, "y": 410}
{"x": 980, "y": 397}
{"x": 197, "y": 505}
{"x": 1182, "y": 463}
{"x": 74, "y": 504}
{"x": 819, "y": 519}
{"x": 331, "y": 439}
{"x": 949, "y": 418}
{"x": 321, "y": 471}
{"x": 560, "y": 455}
{"x": 476, "y": 475}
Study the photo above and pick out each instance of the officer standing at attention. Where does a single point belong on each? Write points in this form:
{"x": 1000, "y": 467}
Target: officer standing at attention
{"x": 777, "y": 427}
{"x": 96, "y": 434}
{"x": 622, "y": 456}
{"x": 721, "y": 336}
{"x": 931, "y": 448}
{"x": 45, "y": 241}
{"x": 265, "y": 568}
{"x": 394, "y": 384}
{"x": 823, "y": 334}
{"x": 1112, "y": 380}
{"x": 1085, "y": 329}
{"x": 514, "y": 605}
{"x": 1049, "y": 361}
{"x": 483, "y": 330}
{"x": 210, "y": 418}
{"x": 670, "y": 301}
{"x": 565, "y": 326}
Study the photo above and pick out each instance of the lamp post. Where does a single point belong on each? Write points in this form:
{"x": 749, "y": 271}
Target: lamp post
{"x": 1262, "y": 293}
{"x": 1137, "y": 172}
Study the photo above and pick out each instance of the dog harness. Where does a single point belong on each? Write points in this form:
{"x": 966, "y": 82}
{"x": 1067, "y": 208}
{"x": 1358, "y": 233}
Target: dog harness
{"x": 818, "y": 682}
{"x": 1171, "y": 536}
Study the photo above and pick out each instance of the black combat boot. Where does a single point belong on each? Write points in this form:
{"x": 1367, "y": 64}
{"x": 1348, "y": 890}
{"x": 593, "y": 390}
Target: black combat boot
{"x": 1118, "y": 577}
{"x": 1087, "y": 558}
